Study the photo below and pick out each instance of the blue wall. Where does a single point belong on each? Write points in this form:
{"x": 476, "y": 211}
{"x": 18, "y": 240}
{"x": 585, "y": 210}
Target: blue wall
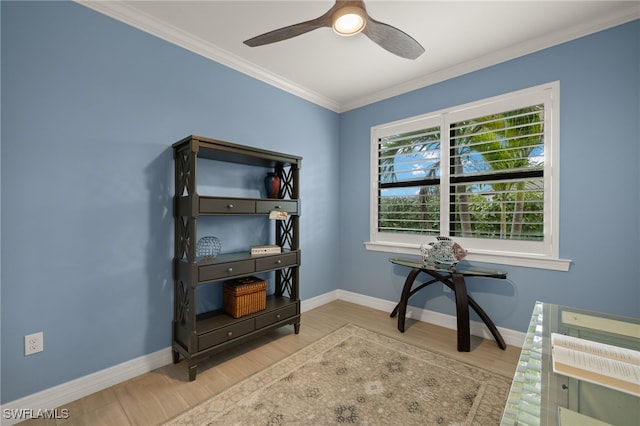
{"x": 599, "y": 181}
{"x": 90, "y": 108}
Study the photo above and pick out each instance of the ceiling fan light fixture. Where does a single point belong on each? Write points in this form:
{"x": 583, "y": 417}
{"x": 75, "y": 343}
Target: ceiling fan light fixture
{"x": 349, "y": 21}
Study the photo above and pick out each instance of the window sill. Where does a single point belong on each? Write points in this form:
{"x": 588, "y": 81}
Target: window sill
{"x": 512, "y": 259}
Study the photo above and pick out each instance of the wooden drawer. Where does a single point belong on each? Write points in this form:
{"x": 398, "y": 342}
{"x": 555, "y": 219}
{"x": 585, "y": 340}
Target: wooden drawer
{"x": 225, "y": 270}
{"x": 222, "y": 335}
{"x": 273, "y": 317}
{"x": 265, "y": 206}
{"x": 226, "y": 205}
{"x": 275, "y": 262}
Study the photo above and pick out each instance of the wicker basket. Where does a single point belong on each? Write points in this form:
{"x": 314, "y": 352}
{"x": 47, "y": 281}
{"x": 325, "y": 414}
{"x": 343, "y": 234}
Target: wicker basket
{"x": 244, "y": 296}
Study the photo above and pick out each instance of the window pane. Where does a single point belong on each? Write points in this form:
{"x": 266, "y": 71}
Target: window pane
{"x": 510, "y": 209}
{"x": 410, "y": 156}
{"x": 497, "y": 164}
{"x": 510, "y": 141}
{"x": 410, "y": 210}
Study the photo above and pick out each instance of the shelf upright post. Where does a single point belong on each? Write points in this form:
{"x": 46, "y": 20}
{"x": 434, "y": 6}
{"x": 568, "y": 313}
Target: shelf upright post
{"x": 186, "y": 201}
{"x": 287, "y": 230}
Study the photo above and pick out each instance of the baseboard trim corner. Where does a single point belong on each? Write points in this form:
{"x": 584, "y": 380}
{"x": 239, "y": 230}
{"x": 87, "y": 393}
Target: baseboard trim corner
{"x": 317, "y": 301}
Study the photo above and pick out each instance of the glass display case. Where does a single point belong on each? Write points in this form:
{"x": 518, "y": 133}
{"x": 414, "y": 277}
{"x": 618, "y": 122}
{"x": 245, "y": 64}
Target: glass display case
{"x": 540, "y": 396}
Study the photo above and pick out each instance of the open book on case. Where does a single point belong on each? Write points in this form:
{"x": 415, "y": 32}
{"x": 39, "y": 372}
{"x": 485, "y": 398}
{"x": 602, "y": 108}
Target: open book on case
{"x": 607, "y": 365}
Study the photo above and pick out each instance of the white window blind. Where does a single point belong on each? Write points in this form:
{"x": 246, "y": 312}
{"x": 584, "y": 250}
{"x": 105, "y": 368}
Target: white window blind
{"x": 409, "y": 182}
{"x": 497, "y": 175}
{"x": 484, "y": 173}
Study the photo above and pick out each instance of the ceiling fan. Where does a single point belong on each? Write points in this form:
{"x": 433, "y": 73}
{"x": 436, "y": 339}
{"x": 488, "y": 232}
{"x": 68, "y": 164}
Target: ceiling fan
{"x": 348, "y": 18}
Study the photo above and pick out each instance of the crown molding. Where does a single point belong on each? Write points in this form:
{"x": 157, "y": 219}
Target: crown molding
{"x": 603, "y": 22}
{"x": 122, "y": 12}
{"x": 126, "y": 14}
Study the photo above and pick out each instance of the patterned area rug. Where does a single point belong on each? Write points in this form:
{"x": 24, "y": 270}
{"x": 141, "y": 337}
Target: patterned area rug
{"x": 356, "y": 376}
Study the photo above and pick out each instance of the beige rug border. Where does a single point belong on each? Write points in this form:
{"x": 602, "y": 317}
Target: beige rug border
{"x": 231, "y": 396}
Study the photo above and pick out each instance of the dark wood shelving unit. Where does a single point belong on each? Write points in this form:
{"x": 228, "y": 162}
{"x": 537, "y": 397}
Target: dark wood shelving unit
{"x": 196, "y": 336}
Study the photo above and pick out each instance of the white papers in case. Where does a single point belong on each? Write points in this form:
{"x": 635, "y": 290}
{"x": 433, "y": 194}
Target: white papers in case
{"x": 607, "y": 365}
{"x": 598, "y": 323}
{"x": 573, "y": 418}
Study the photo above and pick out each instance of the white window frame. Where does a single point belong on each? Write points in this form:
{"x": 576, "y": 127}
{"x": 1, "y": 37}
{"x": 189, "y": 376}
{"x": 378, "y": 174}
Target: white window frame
{"x": 537, "y": 254}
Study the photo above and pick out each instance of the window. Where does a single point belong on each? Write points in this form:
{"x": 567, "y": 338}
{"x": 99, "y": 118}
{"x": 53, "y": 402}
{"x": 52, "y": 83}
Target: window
{"x": 485, "y": 174}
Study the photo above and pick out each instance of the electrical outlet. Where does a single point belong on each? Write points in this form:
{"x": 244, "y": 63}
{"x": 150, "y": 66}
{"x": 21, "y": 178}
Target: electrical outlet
{"x": 33, "y": 343}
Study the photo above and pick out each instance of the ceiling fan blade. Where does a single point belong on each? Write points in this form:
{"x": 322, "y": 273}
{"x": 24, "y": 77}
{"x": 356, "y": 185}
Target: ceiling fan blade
{"x": 392, "y": 39}
{"x": 289, "y": 31}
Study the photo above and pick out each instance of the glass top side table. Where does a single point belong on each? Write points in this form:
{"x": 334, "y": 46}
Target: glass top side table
{"x": 538, "y": 396}
{"x": 460, "y": 268}
{"x": 452, "y": 277}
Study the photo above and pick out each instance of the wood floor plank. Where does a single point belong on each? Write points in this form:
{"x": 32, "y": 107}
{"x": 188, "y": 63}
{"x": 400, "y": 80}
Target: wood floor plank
{"x": 84, "y": 407}
{"x": 105, "y": 415}
{"x": 159, "y": 395}
{"x": 150, "y": 399}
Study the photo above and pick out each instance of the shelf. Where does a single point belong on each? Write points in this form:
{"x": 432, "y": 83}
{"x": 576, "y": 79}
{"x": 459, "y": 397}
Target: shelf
{"x": 244, "y": 255}
{"x": 208, "y": 205}
{"x": 213, "y": 149}
{"x": 210, "y": 321}
{"x": 234, "y": 265}
{"x": 216, "y": 327}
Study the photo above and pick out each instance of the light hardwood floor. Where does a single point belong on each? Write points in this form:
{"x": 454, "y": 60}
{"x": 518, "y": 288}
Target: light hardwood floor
{"x": 157, "y": 396}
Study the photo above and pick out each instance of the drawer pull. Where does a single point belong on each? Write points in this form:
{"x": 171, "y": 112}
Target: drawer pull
{"x": 230, "y": 270}
{"x": 230, "y": 206}
{"x": 229, "y": 334}
{"x": 279, "y": 261}
{"x": 278, "y": 316}
{"x": 278, "y": 207}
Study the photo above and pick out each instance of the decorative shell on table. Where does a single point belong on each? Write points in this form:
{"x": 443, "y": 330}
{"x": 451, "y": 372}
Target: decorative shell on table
{"x": 444, "y": 251}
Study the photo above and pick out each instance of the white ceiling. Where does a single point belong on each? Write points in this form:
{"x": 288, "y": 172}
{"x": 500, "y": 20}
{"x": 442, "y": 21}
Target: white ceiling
{"x": 342, "y": 73}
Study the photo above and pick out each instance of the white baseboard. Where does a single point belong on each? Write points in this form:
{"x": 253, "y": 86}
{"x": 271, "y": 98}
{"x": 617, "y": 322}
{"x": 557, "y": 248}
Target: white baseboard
{"x": 511, "y": 337}
{"x": 65, "y": 393}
